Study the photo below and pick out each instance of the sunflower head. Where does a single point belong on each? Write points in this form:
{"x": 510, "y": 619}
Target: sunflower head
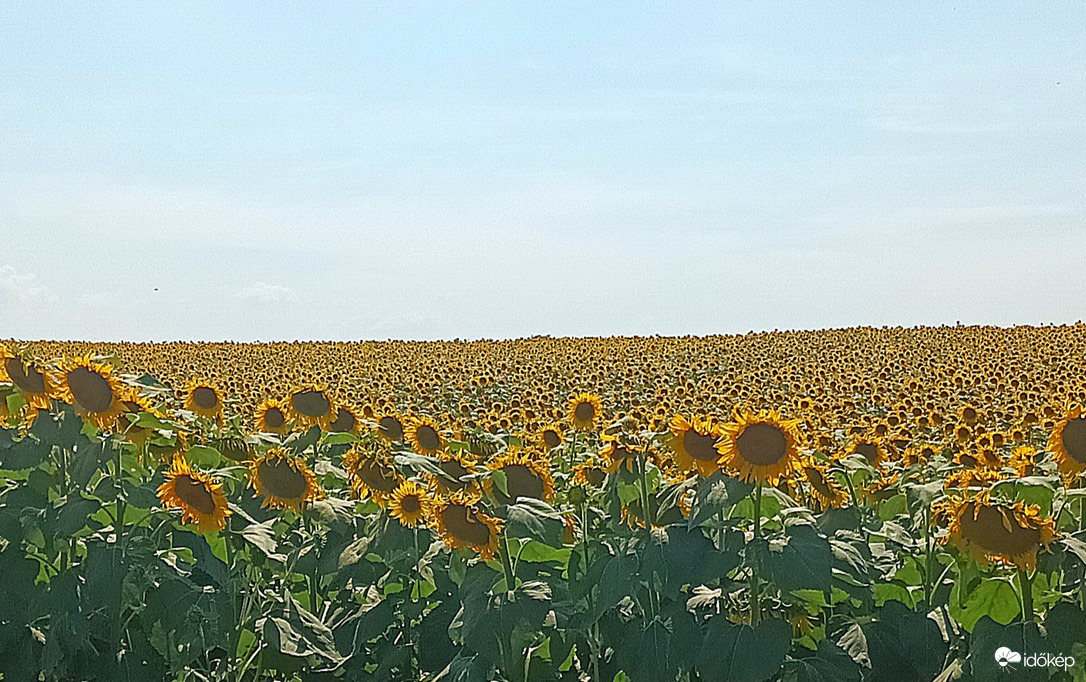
{"x": 824, "y": 488}
{"x": 992, "y": 532}
{"x": 283, "y": 481}
{"x": 584, "y": 411}
{"x": 621, "y": 451}
{"x": 310, "y": 405}
{"x": 462, "y": 524}
{"x": 527, "y": 474}
{"x": 759, "y": 446}
{"x": 410, "y": 504}
{"x": 590, "y": 473}
{"x": 199, "y": 497}
{"x": 425, "y": 436}
{"x": 373, "y": 475}
{"x": 1068, "y": 442}
{"x": 390, "y": 426}
{"x": 694, "y": 442}
{"x": 273, "y": 416}
{"x": 34, "y": 381}
{"x": 204, "y": 398}
{"x": 551, "y": 436}
{"x": 871, "y": 447}
{"x": 347, "y": 419}
{"x": 90, "y": 386}
{"x": 456, "y": 466}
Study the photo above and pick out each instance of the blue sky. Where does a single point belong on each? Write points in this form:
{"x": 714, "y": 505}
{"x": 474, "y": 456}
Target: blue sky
{"x": 437, "y": 170}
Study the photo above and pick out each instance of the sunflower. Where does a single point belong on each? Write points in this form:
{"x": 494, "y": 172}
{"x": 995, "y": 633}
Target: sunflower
{"x": 34, "y": 382}
{"x": 390, "y": 427}
{"x": 135, "y": 404}
{"x": 200, "y": 497}
{"x": 525, "y": 476}
{"x": 410, "y": 504}
{"x": 1008, "y": 534}
{"x": 311, "y": 406}
{"x": 621, "y": 452}
{"x": 694, "y": 442}
{"x": 283, "y": 481}
{"x": 92, "y": 389}
{"x": 203, "y": 398}
{"x": 1068, "y": 442}
{"x": 551, "y": 436}
{"x": 761, "y": 446}
{"x": 272, "y": 416}
{"x": 347, "y": 419}
{"x": 456, "y": 466}
{"x": 590, "y": 473}
{"x": 871, "y": 448}
{"x": 824, "y": 489}
{"x": 584, "y": 411}
{"x": 1023, "y": 460}
{"x": 424, "y": 435}
{"x": 372, "y": 473}
{"x": 460, "y": 523}
{"x": 963, "y": 479}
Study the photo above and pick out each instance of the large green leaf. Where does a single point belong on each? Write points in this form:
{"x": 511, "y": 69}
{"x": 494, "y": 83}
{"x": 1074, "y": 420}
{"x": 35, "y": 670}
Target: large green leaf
{"x": 535, "y": 520}
{"x": 993, "y": 597}
{"x": 804, "y": 562}
{"x": 733, "y": 652}
{"x": 900, "y": 645}
{"x": 715, "y": 495}
{"x": 298, "y": 633}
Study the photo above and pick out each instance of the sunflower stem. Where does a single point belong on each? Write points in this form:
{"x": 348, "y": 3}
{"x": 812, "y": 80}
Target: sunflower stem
{"x": 507, "y": 566}
{"x": 1025, "y": 582}
{"x": 755, "y": 582}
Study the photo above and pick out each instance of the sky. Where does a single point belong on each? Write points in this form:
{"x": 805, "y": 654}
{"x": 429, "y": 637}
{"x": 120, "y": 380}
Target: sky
{"x": 438, "y": 170}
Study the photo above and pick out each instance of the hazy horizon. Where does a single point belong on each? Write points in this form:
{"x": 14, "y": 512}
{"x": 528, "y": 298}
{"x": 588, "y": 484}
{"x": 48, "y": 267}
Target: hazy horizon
{"x": 507, "y": 170}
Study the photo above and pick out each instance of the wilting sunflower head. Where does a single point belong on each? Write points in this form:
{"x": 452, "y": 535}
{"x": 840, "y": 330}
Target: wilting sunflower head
{"x": 455, "y": 466}
{"x": 91, "y": 388}
{"x": 761, "y": 447}
{"x": 283, "y": 481}
{"x": 273, "y": 416}
{"x": 621, "y": 451}
{"x": 1068, "y": 442}
{"x": 34, "y": 381}
{"x": 311, "y": 406}
{"x": 410, "y": 504}
{"x": 991, "y": 532}
{"x": 871, "y": 447}
{"x": 390, "y": 426}
{"x": 425, "y": 436}
{"x": 590, "y": 473}
{"x": 527, "y": 474}
{"x": 584, "y": 411}
{"x": 204, "y": 398}
{"x": 822, "y": 484}
{"x": 694, "y": 442}
{"x": 461, "y": 523}
{"x": 372, "y": 472}
{"x": 347, "y": 419}
{"x": 199, "y": 497}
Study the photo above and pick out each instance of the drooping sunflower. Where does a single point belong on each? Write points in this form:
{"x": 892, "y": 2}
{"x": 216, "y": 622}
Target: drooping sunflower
{"x": 621, "y": 452}
{"x": 134, "y": 403}
{"x": 410, "y": 504}
{"x": 456, "y": 466}
{"x": 461, "y": 523}
{"x": 761, "y": 447}
{"x": 824, "y": 488}
{"x": 870, "y": 447}
{"x": 584, "y": 411}
{"x": 272, "y": 416}
{"x": 527, "y": 474}
{"x": 551, "y": 436}
{"x": 91, "y": 388}
{"x": 425, "y": 437}
{"x": 390, "y": 427}
{"x": 310, "y": 405}
{"x": 283, "y": 481}
{"x": 1068, "y": 442}
{"x": 347, "y": 419}
{"x": 694, "y": 442}
{"x": 35, "y": 383}
{"x": 204, "y": 398}
{"x": 992, "y": 532}
{"x": 372, "y": 473}
{"x": 590, "y": 473}
{"x": 199, "y": 497}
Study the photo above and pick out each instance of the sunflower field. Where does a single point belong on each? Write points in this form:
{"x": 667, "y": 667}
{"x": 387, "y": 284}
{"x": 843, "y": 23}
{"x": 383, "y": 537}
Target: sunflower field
{"x": 843, "y": 505}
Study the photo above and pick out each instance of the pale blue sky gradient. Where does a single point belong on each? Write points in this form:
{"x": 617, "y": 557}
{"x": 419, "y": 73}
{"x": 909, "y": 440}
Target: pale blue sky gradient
{"x": 440, "y": 170}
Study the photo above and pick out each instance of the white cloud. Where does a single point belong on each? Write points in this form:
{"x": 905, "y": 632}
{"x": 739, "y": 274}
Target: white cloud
{"x": 19, "y": 289}
{"x": 262, "y": 293}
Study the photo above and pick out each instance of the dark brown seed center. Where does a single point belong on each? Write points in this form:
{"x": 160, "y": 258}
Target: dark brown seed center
{"x": 25, "y": 376}
{"x": 274, "y": 418}
{"x": 464, "y": 526}
{"x": 391, "y": 428}
{"x": 205, "y": 398}
{"x": 550, "y": 437}
{"x": 90, "y": 389}
{"x": 428, "y": 438}
{"x": 311, "y": 403}
{"x": 194, "y": 494}
{"x": 521, "y": 481}
{"x": 1074, "y": 439}
{"x": 701, "y": 448}
{"x": 343, "y": 423}
{"x": 281, "y": 480}
{"x": 762, "y": 444}
{"x": 584, "y": 412}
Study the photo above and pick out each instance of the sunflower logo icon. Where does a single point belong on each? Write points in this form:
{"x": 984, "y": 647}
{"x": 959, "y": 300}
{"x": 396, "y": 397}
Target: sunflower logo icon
{"x": 1005, "y": 657}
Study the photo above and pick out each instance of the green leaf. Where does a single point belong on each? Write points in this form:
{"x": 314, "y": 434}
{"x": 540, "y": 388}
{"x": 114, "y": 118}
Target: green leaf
{"x": 805, "y": 562}
{"x": 537, "y": 552}
{"x": 298, "y": 633}
{"x": 536, "y": 520}
{"x": 1024, "y": 638}
{"x": 993, "y": 597}
{"x": 734, "y": 652}
{"x": 828, "y": 664}
{"x": 204, "y": 456}
{"x": 900, "y": 644}
{"x": 466, "y": 669}
{"x": 261, "y": 536}
{"x": 715, "y": 495}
